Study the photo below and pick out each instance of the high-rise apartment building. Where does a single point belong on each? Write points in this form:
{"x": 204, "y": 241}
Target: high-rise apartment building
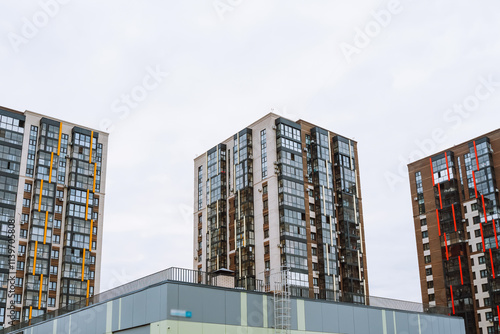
{"x": 51, "y": 207}
{"x": 456, "y": 215}
{"x": 282, "y": 194}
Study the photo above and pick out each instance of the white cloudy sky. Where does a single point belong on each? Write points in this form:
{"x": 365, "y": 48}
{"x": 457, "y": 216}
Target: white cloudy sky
{"x": 228, "y": 68}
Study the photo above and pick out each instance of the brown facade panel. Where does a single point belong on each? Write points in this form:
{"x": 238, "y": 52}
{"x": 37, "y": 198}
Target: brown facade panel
{"x": 433, "y": 198}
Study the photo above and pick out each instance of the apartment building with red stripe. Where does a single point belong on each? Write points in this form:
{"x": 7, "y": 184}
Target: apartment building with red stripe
{"x": 456, "y": 216}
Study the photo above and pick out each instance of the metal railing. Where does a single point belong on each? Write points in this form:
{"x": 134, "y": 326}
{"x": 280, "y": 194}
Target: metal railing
{"x": 203, "y": 278}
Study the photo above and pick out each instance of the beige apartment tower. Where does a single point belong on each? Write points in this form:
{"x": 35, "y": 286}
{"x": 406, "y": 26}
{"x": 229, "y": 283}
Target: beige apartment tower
{"x": 282, "y": 195}
{"x": 51, "y": 199}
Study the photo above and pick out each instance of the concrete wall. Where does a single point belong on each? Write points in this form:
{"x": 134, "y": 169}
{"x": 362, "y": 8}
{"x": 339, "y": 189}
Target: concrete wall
{"x": 219, "y": 310}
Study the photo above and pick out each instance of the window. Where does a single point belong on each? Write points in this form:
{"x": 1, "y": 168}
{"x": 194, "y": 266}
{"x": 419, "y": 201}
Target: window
{"x": 266, "y": 233}
{"x": 487, "y": 302}
{"x": 313, "y": 236}
{"x": 27, "y": 187}
{"x": 264, "y": 189}
{"x": 54, "y": 254}
{"x": 427, "y": 259}
{"x": 431, "y": 297}
{"x": 481, "y": 259}
{"x": 428, "y": 271}
{"x": 423, "y": 222}
{"x": 311, "y": 193}
{"x": 94, "y": 245}
{"x": 17, "y": 299}
{"x": 266, "y": 249}
{"x": 485, "y": 287}
{"x": 53, "y": 270}
{"x": 314, "y": 251}
{"x": 268, "y": 265}
{"x": 479, "y": 247}
{"x": 312, "y": 221}
{"x": 60, "y": 194}
{"x": 266, "y": 219}
{"x": 489, "y": 315}
{"x": 57, "y": 223}
{"x": 25, "y": 218}
{"x": 474, "y": 207}
{"x": 263, "y": 156}
{"x": 315, "y": 281}
{"x": 96, "y": 202}
{"x": 477, "y": 233}
{"x": 52, "y": 302}
{"x": 53, "y": 286}
{"x": 200, "y": 232}
{"x": 26, "y": 202}
{"x": 94, "y": 230}
{"x": 20, "y": 265}
{"x": 425, "y": 234}
{"x": 265, "y": 204}
{"x": 426, "y": 246}
{"x": 19, "y": 281}
{"x": 484, "y": 273}
{"x": 23, "y": 233}
{"x": 57, "y": 238}
{"x": 21, "y": 250}
{"x": 92, "y": 274}
{"x": 430, "y": 284}
{"x": 311, "y": 207}
{"x": 315, "y": 266}
{"x": 58, "y": 208}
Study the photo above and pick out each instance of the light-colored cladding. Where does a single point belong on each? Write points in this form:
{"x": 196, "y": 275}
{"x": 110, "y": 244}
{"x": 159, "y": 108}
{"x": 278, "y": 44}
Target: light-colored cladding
{"x": 273, "y": 241}
{"x": 266, "y": 123}
{"x": 477, "y": 266}
{"x": 32, "y": 118}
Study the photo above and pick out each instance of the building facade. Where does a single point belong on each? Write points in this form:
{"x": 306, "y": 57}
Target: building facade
{"x": 456, "y": 217}
{"x": 177, "y": 307}
{"x": 51, "y": 201}
{"x": 282, "y": 194}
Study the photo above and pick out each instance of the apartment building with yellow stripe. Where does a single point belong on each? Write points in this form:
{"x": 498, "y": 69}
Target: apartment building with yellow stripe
{"x": 52, "y": 176}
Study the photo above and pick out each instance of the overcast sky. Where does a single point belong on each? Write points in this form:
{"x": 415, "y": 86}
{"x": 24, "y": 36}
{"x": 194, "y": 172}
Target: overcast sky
{"x": 170, "y": 79}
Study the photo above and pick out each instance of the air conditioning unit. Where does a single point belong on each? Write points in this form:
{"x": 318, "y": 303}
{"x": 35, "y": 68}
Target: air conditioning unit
{"x": 335, "y": 164}
{"x": 415, "y": 198}
{"x": 274, "y": 127}
{"x": 250, "y": 157}
{"x": 275, "y": 163}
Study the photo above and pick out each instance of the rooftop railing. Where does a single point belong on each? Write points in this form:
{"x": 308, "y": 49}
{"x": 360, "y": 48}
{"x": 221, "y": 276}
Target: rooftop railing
{"x": 203, "y": 278}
